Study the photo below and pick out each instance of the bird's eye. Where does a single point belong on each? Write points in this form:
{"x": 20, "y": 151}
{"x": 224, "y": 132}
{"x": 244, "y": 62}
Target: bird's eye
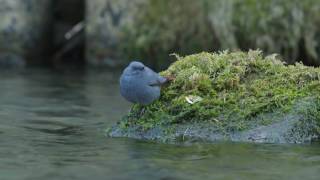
{"x": 139, "y": 68}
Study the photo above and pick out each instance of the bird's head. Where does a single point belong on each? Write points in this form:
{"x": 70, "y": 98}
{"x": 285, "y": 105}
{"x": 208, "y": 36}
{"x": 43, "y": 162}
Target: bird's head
{"x": 136, "y": 66}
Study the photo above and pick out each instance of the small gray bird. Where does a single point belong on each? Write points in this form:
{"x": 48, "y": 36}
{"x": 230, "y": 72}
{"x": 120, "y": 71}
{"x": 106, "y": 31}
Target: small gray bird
{"x": 139, "y": 84}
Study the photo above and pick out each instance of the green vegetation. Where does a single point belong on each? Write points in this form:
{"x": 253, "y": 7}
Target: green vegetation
{"x": 166, "y": 26}
{"x": 289, "y": 28}
{"x": 233, "y": 91}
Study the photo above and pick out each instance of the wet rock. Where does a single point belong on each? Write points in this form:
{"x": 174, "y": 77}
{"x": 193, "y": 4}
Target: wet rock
{"x": 24, "y": 26}
{"x": 245, "y": 97}
{"x": 105, "y": 26}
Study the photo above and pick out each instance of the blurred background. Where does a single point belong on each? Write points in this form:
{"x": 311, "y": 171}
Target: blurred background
{"x": 112, "y": 32}
{"x": 53, "y": 119}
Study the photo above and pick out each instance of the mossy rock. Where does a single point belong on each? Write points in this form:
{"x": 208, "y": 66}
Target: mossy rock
{"x": 238, "y": 96}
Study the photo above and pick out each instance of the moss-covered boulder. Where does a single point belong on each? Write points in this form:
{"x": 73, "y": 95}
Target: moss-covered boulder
{"x": 234, "y": 96}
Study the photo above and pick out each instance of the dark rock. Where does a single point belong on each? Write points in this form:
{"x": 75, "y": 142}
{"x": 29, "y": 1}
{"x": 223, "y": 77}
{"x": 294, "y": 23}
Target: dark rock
{"x": 11, "y": 61}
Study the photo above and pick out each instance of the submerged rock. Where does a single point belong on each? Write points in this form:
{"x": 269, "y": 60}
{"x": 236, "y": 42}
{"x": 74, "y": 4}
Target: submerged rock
{"x": 11, "y": 61}
{"x": 240, "y": 97}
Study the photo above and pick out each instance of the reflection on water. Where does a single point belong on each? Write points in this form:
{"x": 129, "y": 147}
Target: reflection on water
{"x": 52, "y": 127}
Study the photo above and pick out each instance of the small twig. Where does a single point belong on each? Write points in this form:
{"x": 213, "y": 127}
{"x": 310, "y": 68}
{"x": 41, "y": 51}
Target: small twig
{"x": 75, "y": 30}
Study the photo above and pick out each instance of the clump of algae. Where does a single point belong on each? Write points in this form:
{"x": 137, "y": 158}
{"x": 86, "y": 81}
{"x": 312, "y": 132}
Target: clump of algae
{"x": 234, "y": 88}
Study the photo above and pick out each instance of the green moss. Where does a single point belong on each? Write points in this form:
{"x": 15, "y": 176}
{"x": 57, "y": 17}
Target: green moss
{"x": 309, "y": 124}
{"x": 235, "y": 89}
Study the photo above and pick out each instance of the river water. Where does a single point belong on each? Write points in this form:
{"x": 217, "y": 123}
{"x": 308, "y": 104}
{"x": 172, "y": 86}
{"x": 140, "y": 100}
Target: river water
{"x": 52, "y": 127}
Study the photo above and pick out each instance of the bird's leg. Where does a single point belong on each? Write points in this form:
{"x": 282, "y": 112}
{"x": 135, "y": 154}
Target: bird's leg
{"x": 143, "y": 110}
{"x": 131, "y": 110}
{"x": 136, "y": 114}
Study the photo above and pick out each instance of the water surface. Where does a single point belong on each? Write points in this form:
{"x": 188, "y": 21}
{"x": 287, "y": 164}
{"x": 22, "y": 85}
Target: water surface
{"x": 52, "y": 127}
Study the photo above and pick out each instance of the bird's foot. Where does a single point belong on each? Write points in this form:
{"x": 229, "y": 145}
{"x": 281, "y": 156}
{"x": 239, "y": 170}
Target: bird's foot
{"x": 136, "y": 114}
{"x": 143, "y": 110}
